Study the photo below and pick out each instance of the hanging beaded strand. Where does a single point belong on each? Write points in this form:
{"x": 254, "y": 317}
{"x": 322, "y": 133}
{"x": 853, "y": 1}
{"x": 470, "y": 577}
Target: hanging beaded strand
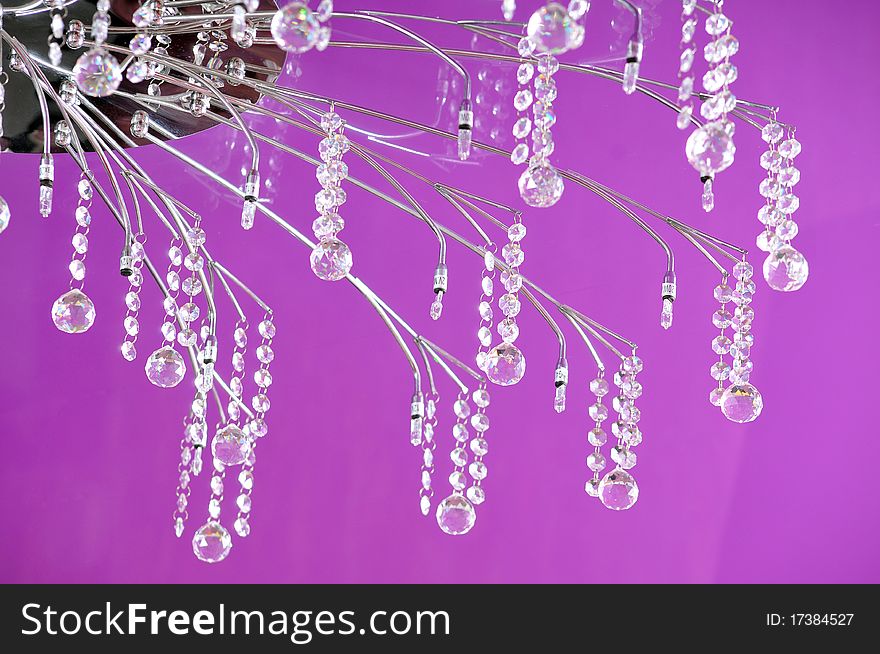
{"x": 618, "y": 489}
{"x": 456, "y": 514}
{"x": 479, "y": 445}
{"x": 686, "y": 64}
{"x": 785, "y": 269}
{"x": 717, "y": 80}
{"x": 56, "y": 26}
{"x": 166, "y": 367}
{"x": 74, "y": 312}
{"x": 130, "y": 323}
{"x": 484, "y": 307}
{"x": 597, "y": 436}
{"x": 331, "y": 259}
{"x": 183, "y": 490}
{"x": 720, "y": 371}
{"x": 429, "y": 445}
{"x": 741, "y": 402}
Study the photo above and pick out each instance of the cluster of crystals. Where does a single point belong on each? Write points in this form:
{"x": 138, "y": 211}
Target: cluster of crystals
{"x": 540, "y": 185}
{"x": 331, "y": 259}
{"x": 686, "y": 64}
{"x": 617, "y": 490}
{"x": 785, "y": 268}
{"x": 505, "y": 364}
{"x": 456, "y": 514}
{"x": 97, "y": 73}
{"x": 56, "y": 25}
{"x": 133, "y": 300}
{"x": 73, "y": 312}
{"x": 298, "y": 29}
{"x": 741, "y": 401}
{"x": 165, "y": 367}
{"x": 429, "y": 445}
{"x": 189, "y": 312}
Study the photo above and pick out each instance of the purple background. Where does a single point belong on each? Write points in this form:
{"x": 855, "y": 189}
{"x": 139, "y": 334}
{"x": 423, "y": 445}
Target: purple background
{"x": 90, "y": 448}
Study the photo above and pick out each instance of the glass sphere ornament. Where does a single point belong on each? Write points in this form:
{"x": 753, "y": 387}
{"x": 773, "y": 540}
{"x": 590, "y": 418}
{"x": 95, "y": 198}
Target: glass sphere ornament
{"x": 618, "y": 490}
{"x": 230, "y": 446}
{"x": 4, "y": 215}
{"x": 165, "y": 368}
{"x": 73, "y": 312}
{"x": 295, "y": 28}
{"x": 505, "y": 365}
{"x": 741, "y": 403}
{"x": 331, "y": 259}
{"x": 97, "y": 73}
{"x": 553, "y": 30}
{"x": 456, "y": 515}
{"x": 710, "y": 148}
{"x": 786, "y": 269}
{"x": 541, "y": 185}
{"x": 212, "y": 542}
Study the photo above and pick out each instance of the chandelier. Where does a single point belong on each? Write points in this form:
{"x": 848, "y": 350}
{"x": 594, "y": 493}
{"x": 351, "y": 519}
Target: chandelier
{"x": 105, "y": 77}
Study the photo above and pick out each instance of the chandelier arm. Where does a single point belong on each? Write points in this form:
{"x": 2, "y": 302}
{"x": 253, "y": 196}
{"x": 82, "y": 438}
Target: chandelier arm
{"x": 595, "y": 328}
{"x": 581, "y": 325}
{"x": 460, "y": 239}
{"x": 589, "y": 343}
{"x": 196, "y": 73}
{"x": 151, "y": 269}
{"x": 365, "y": 291}
{"x": 225, "y": 272}
{"x": 183, "y": 226}
{"x": 554, "y": 326}
{"x": 428, "y": 370}
{"x": 473, "y": 223}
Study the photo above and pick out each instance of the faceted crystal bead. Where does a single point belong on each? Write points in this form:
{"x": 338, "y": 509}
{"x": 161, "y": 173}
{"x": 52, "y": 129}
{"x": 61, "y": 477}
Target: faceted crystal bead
{"x": 516, "y": 232}
{"x": 479, "y": 446}
{"x": 786, "y": 269}
{"x": 772, "y": 133}
{"x": 295, "y": 28}
{"x": 721, "y": 344}
{"x": 598, "y": 412}
{"x": 596, "y": 461}
{"x": 458, "y": 480}
{"x": 481, "y": 397}
{"x": 770, "y": 215}
{"x": 710, "y": 149}
{"x": 97, "y": 73}
{"x": 524, "y": 73}
{"x": 541, "y": 186}
{"x": 789, "y": 176}
{"x": 73, "y": 312}
{"x": 632, "y": 365}
{"x": 230, "y": 446}
{"x": 743, "y": 270}
{"x": 129, "y": 352}
{"x": 77, "y": 269}
{"x": 165, "y": 367}
{"x": 520, "y": 154}
{"x": 624, "y": 457}
{"x": 597, "y": 437}
{"x": 720, "y": 371}
{"x": 618, "y": 490}
{"x": 790, "y": 148}
{"x": 456, "y": 515}
{"x": 592, "y": 487}
{"x": 331, "y": 259}
{"x": 505, "y": 365}
{"x": 717, "y": 24}
{"x": 513, "y": 254}
{"x": 522, "y": 100}
{"x": 212, "y": 543}
{"x": 510, "y": 305}
{"x": 787, "y": 230}
{"x": 715, "y": 396}
{"x": 476, "y": 495}
{"x": 788, "y": 203}
{"x": 552, "y": 30}
{"x": 480, "y": 422}
{"x": 478, "y": 470}
{"x": 242, "y": 527}
{"x": 741, "y": 403}
{"x": 508, "y": 330}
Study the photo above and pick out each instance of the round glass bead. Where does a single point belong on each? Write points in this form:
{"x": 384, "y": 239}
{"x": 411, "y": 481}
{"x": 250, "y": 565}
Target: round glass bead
{"x": 618, "y": 490}
{"x": 456, "y": 515}
{"x": 741, "y": 403}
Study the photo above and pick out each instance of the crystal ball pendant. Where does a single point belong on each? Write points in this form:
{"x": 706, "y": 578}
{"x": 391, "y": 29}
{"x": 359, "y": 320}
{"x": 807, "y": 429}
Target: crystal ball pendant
{"x": 618, "y": 490}
{"x": 456, "y": 515}
{"x": 212, "y": 543}
{"x": 552, "y": 30}
{"x": 73, "y": 312}
{"x": 165, "y": 368}
{"x": 295, "y": 28}
{"x": 741, "y": 403}
{"x": 541, "y": 186}
{"x": 710, "y": 148}
{"x": 786, "y": 269}
{"x": 97, "y": 73}
{"x": 505, "y": 365}
{"x": 4, "y": 215}
{"x": 230, "y": 446}
{"x": 331, "y": 259}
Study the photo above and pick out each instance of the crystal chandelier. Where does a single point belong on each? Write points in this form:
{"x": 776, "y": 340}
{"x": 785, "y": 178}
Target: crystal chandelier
{"x": 106, "y": 77}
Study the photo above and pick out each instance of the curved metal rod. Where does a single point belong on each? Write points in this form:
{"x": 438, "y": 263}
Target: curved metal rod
{"x": 302, "y": 239}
